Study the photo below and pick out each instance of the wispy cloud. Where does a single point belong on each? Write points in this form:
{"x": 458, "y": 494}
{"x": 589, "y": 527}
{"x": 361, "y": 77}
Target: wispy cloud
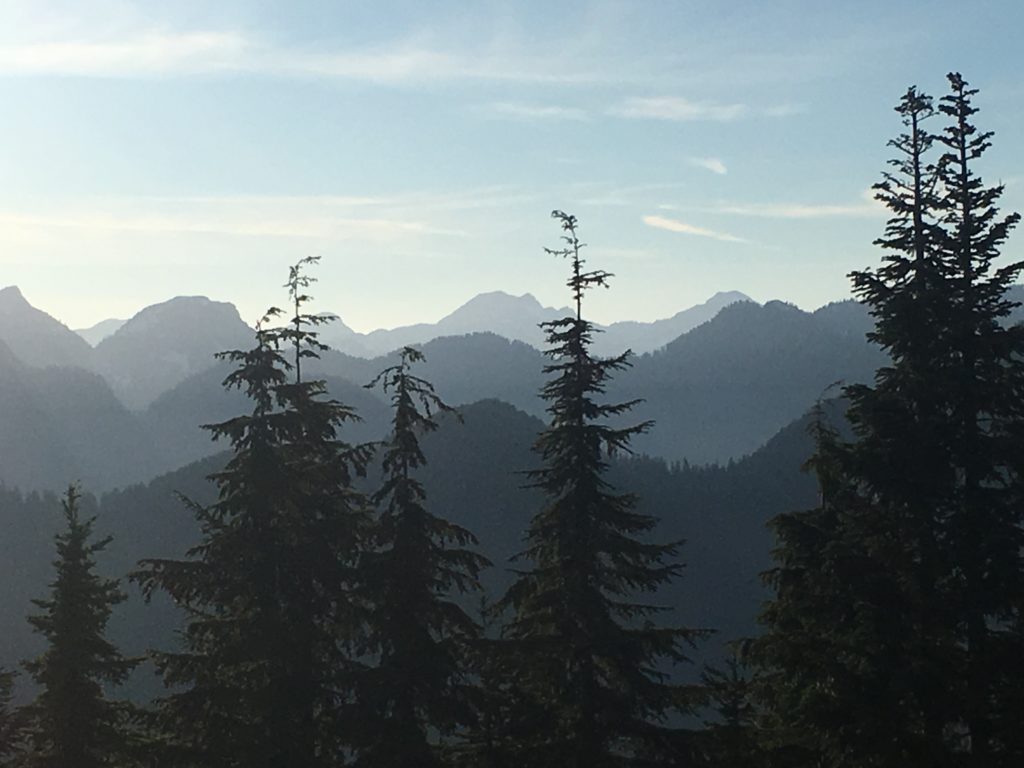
{"x": 314, "y": 217}
{"x": 532, "y": 112}
{"x": 801, "y": 210}
{"x": 678, "y": 109}
{"x": 713, "y": 164}
{"x": 157, "y": 52}
{"x": 146, "y": 53}
{"x": 672, "y": 225}
{"x": 869, "y": 208}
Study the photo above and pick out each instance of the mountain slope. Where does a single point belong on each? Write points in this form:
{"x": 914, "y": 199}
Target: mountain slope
{"x": 518, "y": 318}
{"x": 93, "y": 335}
{"x": 166, "y": 343}
{"x": 37, "y": 339}
{"x": 648, "y": 337}
{"x": 726, "y": 387}
{"x": 60, "y": 425}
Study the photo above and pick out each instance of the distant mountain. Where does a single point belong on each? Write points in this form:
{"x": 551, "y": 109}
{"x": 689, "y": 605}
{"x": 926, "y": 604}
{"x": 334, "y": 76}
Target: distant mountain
{"x": 723, "y": 389}
{"x": 61, "y": 425}
{"x": 37, "y": 339}
{"x": 166, "y": 343}
{"x": 513, "y": 317}
{"x": 716, "y": 393}
{"x": 647, "y": 337}
{"x": 97, "y": 333}
{"x": 517, "y": 318}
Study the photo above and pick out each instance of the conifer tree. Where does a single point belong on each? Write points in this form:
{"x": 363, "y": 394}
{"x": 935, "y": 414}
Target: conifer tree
{"x": 417, "y": 690}
{"x": 267, "y": 593}
{"x": 984, "y": 375}
{"x": 587, "y": 656}
{"x": 72, "y": 722}
{"x": 891, "y": 633}
{"x": 732, "y": 738}
{"x": 11, "y": 720}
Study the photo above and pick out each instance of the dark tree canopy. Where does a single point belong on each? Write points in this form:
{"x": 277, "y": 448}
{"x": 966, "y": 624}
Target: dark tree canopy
{"x": 894, "y": 634}
{"x": 589, "y": 659}
{"x": 265, "y": 669}
{"x": 417, "y": 690}
{"x": 72, "y": 722}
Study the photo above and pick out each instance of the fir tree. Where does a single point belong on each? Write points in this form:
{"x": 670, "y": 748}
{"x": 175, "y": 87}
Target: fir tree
{"x": 732, "y": 737}
{"x": 416, "y": 691}
{"x": 587, "y": 655}
{"x": 984, "y": 376}
{"x": 266, "y": 669}
{"x": 72, "y": 722}
{"x": 892, "y": 630}
{"x": 11, "y": 721}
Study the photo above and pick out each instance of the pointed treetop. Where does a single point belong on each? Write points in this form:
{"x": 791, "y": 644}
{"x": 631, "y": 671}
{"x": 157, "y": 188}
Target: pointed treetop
{"x": 580, "y": 280}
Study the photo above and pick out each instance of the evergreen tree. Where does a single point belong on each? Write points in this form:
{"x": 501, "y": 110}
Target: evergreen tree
{"x": 265, "y": 669}
{"x": 732, "y": 738}
{"x": 984, "y": 376}
{"x": 587, "y": 656}
{"x": 417, "y": 689}
{"x": 891, "y": 633}
{"x": 11, "y": 720}
{"x": 72, "y": 722}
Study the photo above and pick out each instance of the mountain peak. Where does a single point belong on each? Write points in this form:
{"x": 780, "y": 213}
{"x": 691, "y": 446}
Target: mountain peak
{"x": 723, "y": 298}
{"x": 34, "y": 337}
{"x": 12, "y": 298}
{"x": 500, "y": 300}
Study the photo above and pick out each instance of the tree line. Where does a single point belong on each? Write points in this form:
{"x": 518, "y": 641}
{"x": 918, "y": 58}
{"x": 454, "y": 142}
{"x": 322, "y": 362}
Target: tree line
{"x": 327, "y": 626}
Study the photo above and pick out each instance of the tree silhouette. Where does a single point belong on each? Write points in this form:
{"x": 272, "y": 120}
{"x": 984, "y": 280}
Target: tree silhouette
{"x": 266, "y": 667}
{"x": 71, "y": 721}
{"x": 418, "y": 688}
{"x": 586, "y": 653}
{"x": 894, "y": 631}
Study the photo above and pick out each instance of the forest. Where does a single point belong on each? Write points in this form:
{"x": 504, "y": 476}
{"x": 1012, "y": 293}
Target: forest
{"x": 486, "y": 587}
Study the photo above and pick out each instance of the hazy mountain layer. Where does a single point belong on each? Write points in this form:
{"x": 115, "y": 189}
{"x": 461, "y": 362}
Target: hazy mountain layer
{"x": 36, "y": 338}
{"x": 165, "y": 344}
{"x": 97, "y": 333}
{"x": 518, "y": 318}
{"x": 473, "y": 477}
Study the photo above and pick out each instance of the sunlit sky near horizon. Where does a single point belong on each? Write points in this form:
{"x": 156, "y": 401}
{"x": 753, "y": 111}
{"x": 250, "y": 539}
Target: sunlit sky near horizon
{"x": 149, "y": 150}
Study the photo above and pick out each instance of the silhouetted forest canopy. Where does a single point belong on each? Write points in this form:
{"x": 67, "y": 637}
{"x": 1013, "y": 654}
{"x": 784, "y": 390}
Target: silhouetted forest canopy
{"x": 774, "y": 539}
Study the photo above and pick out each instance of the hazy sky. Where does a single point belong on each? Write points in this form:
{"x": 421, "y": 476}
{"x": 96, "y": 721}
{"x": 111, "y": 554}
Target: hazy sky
{"x": 152, "y": 149}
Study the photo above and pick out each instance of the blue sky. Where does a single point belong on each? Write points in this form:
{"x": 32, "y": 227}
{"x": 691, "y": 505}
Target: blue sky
{"x": 156, "y": 149}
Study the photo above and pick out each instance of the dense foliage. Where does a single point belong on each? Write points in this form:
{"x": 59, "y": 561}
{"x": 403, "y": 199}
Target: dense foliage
{"x": 894, "y": 637}
{"x": 586, "y": 653}
{"x": 264, "y": 674}
{"x": 71, "y": 721}
{"x": 418, "y": 687}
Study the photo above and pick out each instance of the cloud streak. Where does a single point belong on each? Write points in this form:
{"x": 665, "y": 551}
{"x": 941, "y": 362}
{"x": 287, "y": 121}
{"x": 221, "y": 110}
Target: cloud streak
{"x": 148, "y": 53}
{"x": 673, "y": 225}
{"x": 713, "y": 164}
{"x": 144, "y": 53}
{"x": 678, "y": 109}
{"x": 532, "y": 112}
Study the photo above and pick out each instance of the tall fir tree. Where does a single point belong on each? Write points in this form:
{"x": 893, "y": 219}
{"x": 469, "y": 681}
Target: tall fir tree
{"x": 984, "y": 375}
{"x": 891, "y": 633}
{"x": 588, "y": 658}
{"x": 11, "y": 721}
{"x": 266, "y": 667}
{"x": 418, "y": 688}
{"x": 72, "y": 722}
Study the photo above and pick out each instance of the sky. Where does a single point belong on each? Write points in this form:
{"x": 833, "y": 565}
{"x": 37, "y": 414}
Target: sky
{"x": 155, "y": 149}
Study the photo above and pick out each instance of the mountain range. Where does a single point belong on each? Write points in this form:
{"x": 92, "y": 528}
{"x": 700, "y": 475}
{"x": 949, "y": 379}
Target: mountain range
{"x": 131, "y": 407}
{"x": 474, "y": 480}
